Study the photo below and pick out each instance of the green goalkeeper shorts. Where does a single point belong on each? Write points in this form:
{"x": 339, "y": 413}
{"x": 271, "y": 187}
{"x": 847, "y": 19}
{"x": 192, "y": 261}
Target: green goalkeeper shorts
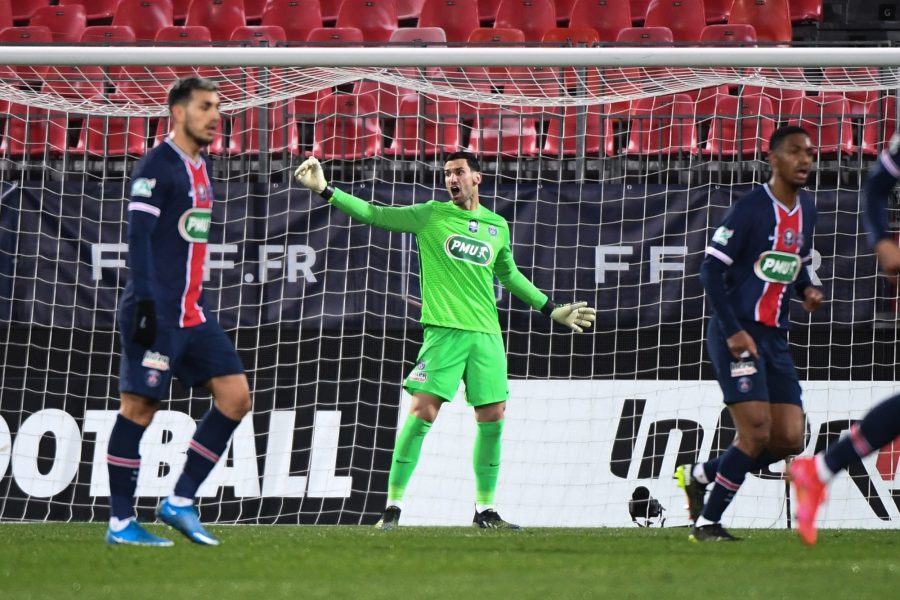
{"x": 450, "y": 355}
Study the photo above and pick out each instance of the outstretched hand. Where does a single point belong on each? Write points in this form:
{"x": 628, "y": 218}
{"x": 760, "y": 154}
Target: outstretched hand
{"x": 577, "y": 316}
{"x": 310, "y": 174}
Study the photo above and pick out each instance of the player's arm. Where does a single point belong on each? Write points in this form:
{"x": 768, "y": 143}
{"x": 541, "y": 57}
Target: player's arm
{"x": 576, "y": 316}
{"x": 877, "y": 192}
{"x": 811, "y": 296}
{"x": 409, "y": 219}
{"x": 144, "y": 207}
{"x": 725, "y": 246}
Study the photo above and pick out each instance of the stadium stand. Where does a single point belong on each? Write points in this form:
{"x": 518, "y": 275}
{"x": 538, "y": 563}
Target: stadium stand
{"x": 685, "y": 18}
{"x": 606, "y": 17}
{"x": 145, "y": 17}
{"x": 296, "y": 17}
{"x": 66, "y": 23}
{"x": 458, "y": 18}
{"x": 221, "y": 17}
{"x": 533, "y": 17}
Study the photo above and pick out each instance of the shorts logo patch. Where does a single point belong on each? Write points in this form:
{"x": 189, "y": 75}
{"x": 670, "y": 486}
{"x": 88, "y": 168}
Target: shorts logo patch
{"x": 743, "y": 368}
{"x": 473, "y": 226}
{"x": 155, "y": 360}
{"x": 744, "y": 385}
{"x": 143, "y": 187}
{"x": 419, "y": 373}
{"x": 152, "y": 378}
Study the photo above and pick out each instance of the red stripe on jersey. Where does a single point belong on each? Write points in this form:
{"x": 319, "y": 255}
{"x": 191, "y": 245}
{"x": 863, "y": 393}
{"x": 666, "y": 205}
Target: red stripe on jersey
{"x": 768, "y": 307}
{"x": 191, "y": 313}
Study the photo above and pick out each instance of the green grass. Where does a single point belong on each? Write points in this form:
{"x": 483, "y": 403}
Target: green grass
{"x": 262, "y": 562}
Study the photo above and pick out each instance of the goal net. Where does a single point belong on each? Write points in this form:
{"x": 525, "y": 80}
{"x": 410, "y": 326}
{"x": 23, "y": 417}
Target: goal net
{"x": 612, "y": 167}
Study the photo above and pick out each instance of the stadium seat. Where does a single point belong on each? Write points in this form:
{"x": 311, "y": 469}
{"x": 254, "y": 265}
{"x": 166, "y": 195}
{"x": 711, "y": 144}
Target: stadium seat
{"x": 329, "y": 10}
{"x": 6, "y": 19}
{"x": 107, "y": 34}
{"x": 427, "y": 126}
{"x": 663, "y": 125}
{"x": 562, "y": 139}
{"x": 533, "y": 17}
{"x": 385, "y": 95}
{"x": 858, "y": 101}
{"x": 750, "y": 139}
{"x": 221, "y": 17}
{"x": 347, "y": 128}
{"x": 409, "y": 9}
{"x": 33, "y": 132}
{"x": 879, "y": 125}
{"x": 646, "y": 36}
{"x": 717, "y": 11}
{"x": 66, "y": 23}
{"x": 500, "y": 36}
{"x": 825, "y": 119}
{"x": 685, "y": 18}
{"x": 606, "y": 17}
{"x": 180, "y": 9}
{"x": 296, "y": 17}
{"x": 639, "y": 11}
{"x": 305, "y": 105}
{"x": 587, "y": 77}
{"x": 487, "y": 11}
{"x": 419, "y": 36}
{"x": 24, "y": 74}
{"x": 482, "y": 78}
{"x": 458, "y": 18}
{"x": 245, "y": 135}
{"x": 145, "y": 17}
{"x": 781, "y": 97}
{"x": 770, "y": 18}
{"x": 112, "y": 136}
{"x": 563, "y": 11}
{"x": 22, "y": 10}
{"x": 336, "y": 36}
{"x": 704, "y": 99}
{"x": 194, "y": 35}
{"x": 623, "y": 81}
{"x": 728, "y": 35}
{"x": 501, "y": 132}
{"x": 803, "y": 11}
{"x": 377, "y": 19}
{"x": 259, "y": 35}
{"x": 97, "y": 10}
{"x": 254, "y": 9}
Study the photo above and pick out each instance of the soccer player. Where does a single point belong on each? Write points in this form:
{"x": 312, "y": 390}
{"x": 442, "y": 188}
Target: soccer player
{"x": 165, "y": 325}
{"x": 756, "y": 257}
{"x": 811, "y": 475}
{"x": 462, "y": 245}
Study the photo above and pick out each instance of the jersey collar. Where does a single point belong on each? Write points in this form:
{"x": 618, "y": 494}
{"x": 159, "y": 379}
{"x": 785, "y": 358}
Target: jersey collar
{"x": 780, "y": 203}
{"x": 181, "y": 153}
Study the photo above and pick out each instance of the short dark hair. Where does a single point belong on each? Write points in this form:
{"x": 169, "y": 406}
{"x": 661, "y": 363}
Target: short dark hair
{"x": 181, "y": 90}
{"x": 470, "y": 159}
{"x": 779, "y": 135}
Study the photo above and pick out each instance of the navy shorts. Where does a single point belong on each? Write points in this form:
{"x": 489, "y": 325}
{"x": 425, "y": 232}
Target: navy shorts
{"x": 772, "y": 377}
{"x": 194, "y": 355}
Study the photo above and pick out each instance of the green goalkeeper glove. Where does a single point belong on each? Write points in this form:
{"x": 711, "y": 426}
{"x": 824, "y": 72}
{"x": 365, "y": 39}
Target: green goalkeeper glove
{"x": 310, "y": 174}
{"x": 577, "y": 316}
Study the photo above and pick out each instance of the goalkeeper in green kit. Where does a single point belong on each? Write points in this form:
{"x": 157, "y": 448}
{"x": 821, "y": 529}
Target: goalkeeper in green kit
{"x": 462, "y": 245}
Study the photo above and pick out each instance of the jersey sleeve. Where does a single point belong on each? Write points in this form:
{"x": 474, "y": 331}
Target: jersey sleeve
{"x": 728, "y": 239}
{"x": 408, "y": 219}
{"x": 512, "y": 279}
{"x": 877, "y": 191}
{"x": 724, "y": 247}
{"x": 148, "y": 191}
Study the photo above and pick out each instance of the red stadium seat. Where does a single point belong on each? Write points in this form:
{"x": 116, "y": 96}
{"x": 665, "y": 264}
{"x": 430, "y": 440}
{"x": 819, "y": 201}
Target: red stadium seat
{"x": 806, "y": 10}
{"x": 22, "y": 10}
{"x": 259, "y": 35}
{"x": 6, "y": 19}
{"x": 305, "y": 105}
{"x": 826, "y": 120}
{"x": 386, "y": 96}
{"x": 329, "y": 9}
{"x": 501, "y": 132}
{"x": 180, "y": 10}
{"x": 426, "y": 127}
{"x": 562, "y": 139}
{"x": 296, "y": 17}
{"x": 663, "y": 125}
{"x": 377, "y": 19}
{"x": 145, "y": 17}
{"x": 741, "y": 127}
{"x": 347, "y": 128}
{"x": 34, "y": 35}
{"x": 646, "y": 36}
{"x": 770, "y": 18}
{"x": 717, "y": 11}
{"x": 194, "y": 35}
{"x": 487, "y": 10}
{"x": 33, "y": 132}
{"x": 588, "y": 77}
{"x": 623, "y": 81}
{"x": 107, "y": 34}
{"x": 254, "y": 9}
{"x": 500, "y": 36}
{"x": 781, "y": 97}
{"x": 533, "y": 17}
{"x": 112, "y": 136}
{"x": 705, "y": 99}
{"x": 336, "y": 36}
{"x": 859, "y": 101}
{"x": 221, "y": 17}
{"x": 458, "y": 18}
{"x": 728, "y": 35}
{"x": 564, "y": 11}
{"x": 685, "y": 18}
{"x": 409, "y": 9}
{"x": 66, "y": 23}
{"x": 606, "y": 17}
{"x": 639, "y": 11}
{"x": 246, "y": 127}
{"x": 97, "y": 10}
{"x": 879, "y": 125}
{"x": 419, "y": 36}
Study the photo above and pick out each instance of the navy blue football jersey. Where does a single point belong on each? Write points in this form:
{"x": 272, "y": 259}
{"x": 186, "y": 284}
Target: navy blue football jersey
{"x": 175, "y": 189}
{"x": 765, "y": 246}
{"x": 878, "y": 191}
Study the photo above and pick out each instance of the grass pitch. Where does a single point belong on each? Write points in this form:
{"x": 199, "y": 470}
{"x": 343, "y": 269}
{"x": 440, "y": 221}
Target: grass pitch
{"x": 263, "y": 562}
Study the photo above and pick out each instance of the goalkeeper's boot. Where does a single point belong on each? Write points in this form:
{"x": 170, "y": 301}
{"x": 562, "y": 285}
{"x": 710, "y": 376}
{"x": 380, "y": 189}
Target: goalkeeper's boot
{"x": 186, "y": 520}
{"x": 390, "y": 519}
{"x": 711, "y": 533}
{"x": 809, "y": 494}
{"x": 489, "y": 519}
{"x": 693, "y": 489}
{"x": 135, "y": 535}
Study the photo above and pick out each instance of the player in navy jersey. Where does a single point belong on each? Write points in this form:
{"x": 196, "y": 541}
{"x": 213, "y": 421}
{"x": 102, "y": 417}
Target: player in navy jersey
{"x": 811, "y": 475}
{"x": 756, "y": 258}
{"x": 166, "y": 327}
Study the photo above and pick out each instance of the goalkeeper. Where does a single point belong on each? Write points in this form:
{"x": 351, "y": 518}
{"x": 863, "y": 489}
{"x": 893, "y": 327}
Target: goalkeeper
{"x": 462, "y": 245}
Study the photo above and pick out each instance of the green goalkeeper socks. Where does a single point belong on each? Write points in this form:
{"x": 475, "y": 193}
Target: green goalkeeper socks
{"x": 486, "y": 461}
{"x": 406, "y": 455}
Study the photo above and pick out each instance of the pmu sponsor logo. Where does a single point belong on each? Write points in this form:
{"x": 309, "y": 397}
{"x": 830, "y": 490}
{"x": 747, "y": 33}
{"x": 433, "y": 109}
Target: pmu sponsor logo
{"x": 275, "y": 473}
{"x": 689, "y": 434}
{"x": 193, "y": 225}
{"x": 468, "y": 249}
{"x": 777, "y": 267}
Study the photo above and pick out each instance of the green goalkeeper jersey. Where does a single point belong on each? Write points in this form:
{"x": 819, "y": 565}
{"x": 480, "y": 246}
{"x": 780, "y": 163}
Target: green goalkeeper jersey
{"x": 460, "y": 251}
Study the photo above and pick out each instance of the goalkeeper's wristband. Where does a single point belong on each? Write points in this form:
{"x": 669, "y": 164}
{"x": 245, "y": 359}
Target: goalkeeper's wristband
{"x": 548, "y": 307}
{"x": 328, "y": 192}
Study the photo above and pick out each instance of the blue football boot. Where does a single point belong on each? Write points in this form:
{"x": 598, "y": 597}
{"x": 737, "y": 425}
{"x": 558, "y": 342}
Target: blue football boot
{"x": 186, "y": 520}
{"x": 135, "y": 535}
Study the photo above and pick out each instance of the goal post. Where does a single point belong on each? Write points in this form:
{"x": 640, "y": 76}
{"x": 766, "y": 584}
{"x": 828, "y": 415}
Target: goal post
{"x": 612, "y": 166}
